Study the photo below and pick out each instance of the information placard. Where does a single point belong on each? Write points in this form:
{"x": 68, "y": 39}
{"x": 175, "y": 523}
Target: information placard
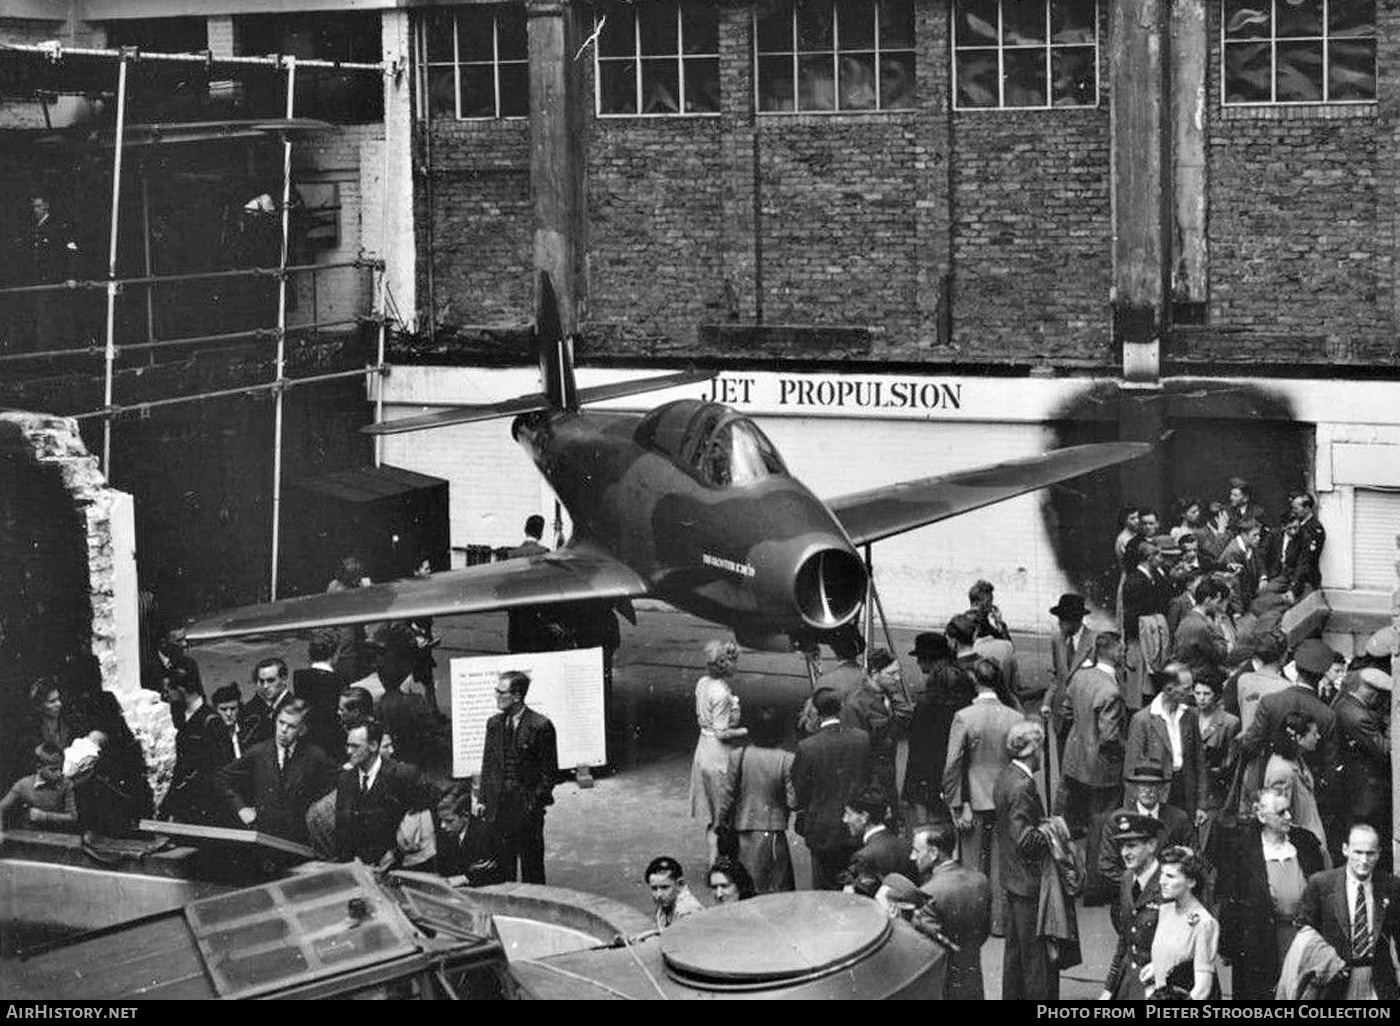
{"x": 565, "y": 686}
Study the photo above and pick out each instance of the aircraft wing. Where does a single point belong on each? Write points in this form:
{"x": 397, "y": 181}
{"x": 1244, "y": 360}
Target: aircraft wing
{"x": 882, "y": 512}
{"x": 570, "y": 574}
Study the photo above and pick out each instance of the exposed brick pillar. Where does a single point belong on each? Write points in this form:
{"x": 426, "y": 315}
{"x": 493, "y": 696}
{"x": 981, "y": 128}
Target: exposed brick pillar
{"x": 740, "y": 222}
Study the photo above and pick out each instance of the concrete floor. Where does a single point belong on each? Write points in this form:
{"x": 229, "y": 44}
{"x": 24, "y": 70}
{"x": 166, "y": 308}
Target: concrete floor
{"x": 601, "y": 838}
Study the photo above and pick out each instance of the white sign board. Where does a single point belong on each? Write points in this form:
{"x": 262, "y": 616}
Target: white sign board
{"x": 565, "y": 686}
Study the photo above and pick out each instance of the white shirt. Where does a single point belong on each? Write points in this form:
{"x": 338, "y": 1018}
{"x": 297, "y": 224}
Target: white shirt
{"x": 1023, "y": 767}
{"x": 828, "y": 722}
{"x": 233, "y": 736}
{"x": 1142, "y": 878}
{"x": 986, "y": 696}
{"x": 369, "y": 776}
{"x": 1279, "y": 852}
{"x": 871, "y": 832}
{"x": 1143, "y": 810}
{"x": 1107, "y": 668}
{"x": 284, "y": 755}
{"x": 1173, "y": 722}
{"x": 1352, "y": 884}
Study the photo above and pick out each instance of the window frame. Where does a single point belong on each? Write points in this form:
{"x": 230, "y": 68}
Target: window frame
{"x": 1049, "y": 47}
{"x": 1272, "y": 39}
{"x": 456, "y": 64}
{"x": 600, "y": 13}
{"x": 796, "y": 55}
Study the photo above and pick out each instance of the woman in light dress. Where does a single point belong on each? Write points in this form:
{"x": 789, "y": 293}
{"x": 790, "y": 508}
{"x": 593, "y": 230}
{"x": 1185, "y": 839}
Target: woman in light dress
{"x": 1185, "y": 947}
{"x": 1288, "y": 774}
{"x": 717, "y": 713}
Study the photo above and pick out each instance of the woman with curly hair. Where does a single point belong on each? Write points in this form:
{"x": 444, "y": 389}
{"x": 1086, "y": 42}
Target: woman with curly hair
{"x": 717, "y": 713}
{"x": 730, "y": 881}
{"x": 1186, "y": 945}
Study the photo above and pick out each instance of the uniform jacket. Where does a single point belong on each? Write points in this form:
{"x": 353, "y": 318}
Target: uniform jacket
{"x": 1023, "y": 846}
{"x": 1063, "y": 665}
{"x": 760, "y": 791}
{"x": 1364, "y": 781}
{"x": 875, "y": 859}
{"x": 539, "y": 766}
{"x": 960, "y": 899}
{"x": 367, "y": 823}
{"x": 1177, "y": 828}
{"x": 1324, "y": 908}
{"x": 1097, "y": 729}
{"x": 1150, "y": 744}
{"x": 1135, "y": 920}
{"x": 1267, "y": 727}
{"x": 201, "y": 750}
{"x": 281, "y": 797}
{"x": 1296, "y": 559}
{"x": 1247, "y": 934}
{"x": 830, "y": 767}
{"x": 977, "y": 753}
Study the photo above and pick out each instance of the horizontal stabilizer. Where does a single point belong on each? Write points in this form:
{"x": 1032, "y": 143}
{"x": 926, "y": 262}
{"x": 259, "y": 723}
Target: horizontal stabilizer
{"x": 536, "y": 401}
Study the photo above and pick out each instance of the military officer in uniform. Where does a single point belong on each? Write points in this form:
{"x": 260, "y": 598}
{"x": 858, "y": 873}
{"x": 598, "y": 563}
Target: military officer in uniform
{"x": 1135, "y": 911}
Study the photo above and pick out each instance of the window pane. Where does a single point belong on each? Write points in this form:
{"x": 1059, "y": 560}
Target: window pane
{"x": 439, "y": 35}
{"x": 478, "y": 91}
{"x": 1248, "y": 73}
{"x": 1299, "y": 18}
{"x": 661, "y": 88}
{"x": 858, "y": 82}
{"x": 474, "y": 34}
{"x": 775, "y": 83}
{"x": 1352, "y": 71}
{"x": 1023, "y": 21}
{"x": 816, "y": 85}
{"x": 515, "y": 90}
{"x": 856, "y": 22}
{"x": 441, "y": 98}
{"x": 976, "y": 23}
{"x": 702, "y": 85}
{"x": 1025, "y": 77}
{"x": 1352, "y": 17}
{"x": 977, "y": 78}
{"x": 511, "y": 35}
{"x": 700, "y": 28}
{"x": 658, "y": 22}
{"x": 814, "y": 25}
{"x": 897, "y": 81}
{"x": 1072, "y": 21}
{"x": 618, "y": 37}
{"x": 617, "y": 87}
{"x": 896, "y": 25}
{"x": 1299, "y": 72}
{"x": 775, "y": 30}
{"x": 1246, "y": 19}
{"x": 1072, "y": 72}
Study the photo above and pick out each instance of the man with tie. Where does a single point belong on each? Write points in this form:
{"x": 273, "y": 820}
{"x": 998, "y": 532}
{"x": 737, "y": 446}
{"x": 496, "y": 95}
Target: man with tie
{"x": 1097, "y": 722}
{"x": 1071, "y": 647}
{"x": 1134, "y": 914}
{"x": 518, "y": 768}
{"x": 273, "y": 692}
{"x": 274, "y": 783}
{"x": 228, "y": 703}
{"x": 373, "y": 795}
{"x": 1027, "y": 971}
{"x": 1357, "y": 911}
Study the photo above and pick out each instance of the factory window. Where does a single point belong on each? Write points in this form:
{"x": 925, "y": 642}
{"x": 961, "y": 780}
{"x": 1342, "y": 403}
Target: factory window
{"x": 846, "y": 55}
{"x": 1017, "y": 54}
{"x": 1299, "y": 51}
{"x": 478, "y": 63}
{"x": 657, "y": 59}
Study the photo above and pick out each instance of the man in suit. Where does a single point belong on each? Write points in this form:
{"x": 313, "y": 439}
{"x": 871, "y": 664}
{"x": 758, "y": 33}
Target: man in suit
{"x": 201, "y": 750}
{"x": 1071, "y": 647}
{"x": 1146, "y": 595}
{"x": 228, "y": 703}
{"x": 466, "y": 844}
{"x": 1166, "y": 733}
{"x": 1313, "y": 660}
{"x": 1134, "y": 914}
{"x": 847, "y": 675}
{"x": 518, "y": 769}
{"x": 829, "y": 769}
{"x": 1263, "y": 676}
{"x": 881, "y": 707}
{"x": 273, "y": 692}
{"x": 1244, "y": 557}
{"x": 945, "y": 692}
{"x": 976, "y": 757}
{"x": 1357, "y": 911}
{"x": 525, "y": 629}
{"x": 372, "y": 797}
{"x": 1027, "y": 972}
{"x": 1146, "y": 786}
{"x": 960, "y": 900}
{"x": 1363, "y": 785}
{"x": 1097, "y": 721}
{"x": 319, "y": 686}
{"x": 274, "y": 783}
{"x": 1199, "y": 641}
{"x": 880, "y": 850}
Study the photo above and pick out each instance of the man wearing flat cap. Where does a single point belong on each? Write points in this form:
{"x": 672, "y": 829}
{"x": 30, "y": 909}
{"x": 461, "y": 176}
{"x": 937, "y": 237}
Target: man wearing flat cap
{"x": 1135, "y": 912}
{"x": 1071, "y": 647}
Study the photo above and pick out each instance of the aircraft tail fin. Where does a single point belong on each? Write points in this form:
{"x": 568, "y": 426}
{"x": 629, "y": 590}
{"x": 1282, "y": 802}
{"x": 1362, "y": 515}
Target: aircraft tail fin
{"x": 555, "y": 349}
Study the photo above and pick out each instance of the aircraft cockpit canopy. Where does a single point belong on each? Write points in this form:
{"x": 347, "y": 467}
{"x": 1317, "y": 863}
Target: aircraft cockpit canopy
{"x": 712, "y": 442}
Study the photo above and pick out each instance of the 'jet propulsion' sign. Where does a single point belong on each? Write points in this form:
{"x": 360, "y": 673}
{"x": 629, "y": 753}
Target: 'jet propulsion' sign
{"x": 837, "y": 393}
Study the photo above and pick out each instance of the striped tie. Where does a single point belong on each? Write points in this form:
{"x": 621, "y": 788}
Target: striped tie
{"x": 1360, "y": 926}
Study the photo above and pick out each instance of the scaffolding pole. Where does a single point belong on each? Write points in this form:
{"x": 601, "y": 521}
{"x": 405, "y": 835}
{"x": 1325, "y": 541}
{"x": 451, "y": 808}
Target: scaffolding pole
{"x": 279, "y": 394}
{"x": 111, "y": 352}
{"x": 56, "y": 52}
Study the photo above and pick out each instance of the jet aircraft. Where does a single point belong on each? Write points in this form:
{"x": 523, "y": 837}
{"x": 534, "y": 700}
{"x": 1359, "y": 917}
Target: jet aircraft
{"x": 690, "y": 503}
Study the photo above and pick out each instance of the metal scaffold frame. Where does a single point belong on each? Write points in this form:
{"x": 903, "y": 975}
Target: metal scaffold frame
{"x": 112, "y": 284}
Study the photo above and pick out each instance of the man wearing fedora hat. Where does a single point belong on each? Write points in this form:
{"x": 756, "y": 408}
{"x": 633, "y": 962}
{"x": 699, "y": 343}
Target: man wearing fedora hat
{"x": 1134, "y": 914}
{"x": 1098, "y": 730}
{"x": 1071, "y": 647}
{"x": 1363, "y": 783}
{"x": 946, "y": 690}
{"x": 1147, "y": 788}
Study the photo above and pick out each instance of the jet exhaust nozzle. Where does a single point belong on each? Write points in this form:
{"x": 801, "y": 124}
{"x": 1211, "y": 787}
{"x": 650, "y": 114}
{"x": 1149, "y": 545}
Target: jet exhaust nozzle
{"x": 830, "y": 588}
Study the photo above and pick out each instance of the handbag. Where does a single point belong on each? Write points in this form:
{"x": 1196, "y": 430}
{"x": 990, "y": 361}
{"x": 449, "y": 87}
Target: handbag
{"x": 726, "y": 837}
